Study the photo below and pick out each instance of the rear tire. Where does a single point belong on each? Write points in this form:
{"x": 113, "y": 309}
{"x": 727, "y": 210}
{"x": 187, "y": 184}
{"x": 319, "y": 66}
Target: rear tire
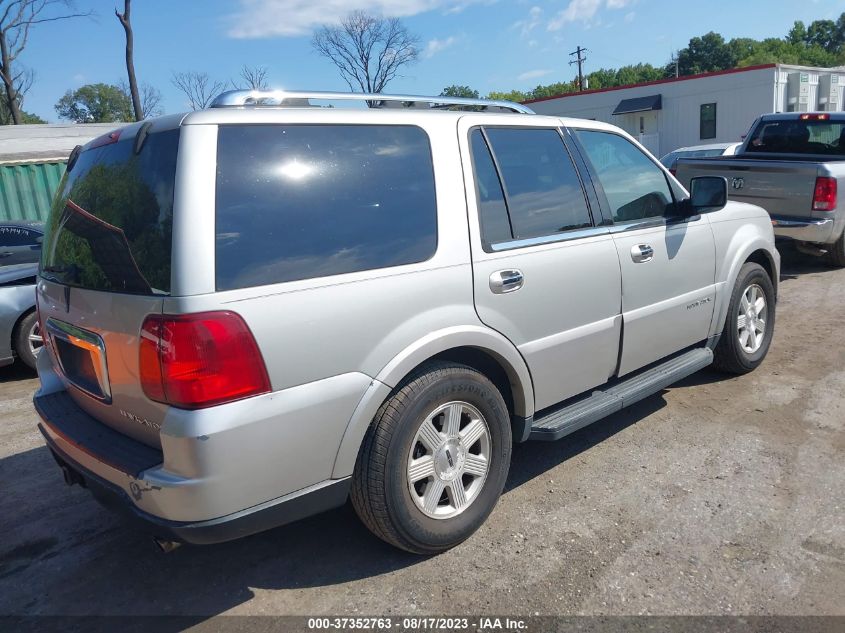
{"x": 836, "y": 253}
{"x": 28, "y": 340}
{"x": 749, "y": 324}
{"x": 435, "y": 459}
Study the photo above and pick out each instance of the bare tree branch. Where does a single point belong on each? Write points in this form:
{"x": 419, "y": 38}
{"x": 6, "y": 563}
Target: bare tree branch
{"x": 198, "y": 87}
{"x": 16, "y": 19}
{"x": 250, "y": 78}
{"x": 150, "y": 98}
{"x": 368, "y": 51}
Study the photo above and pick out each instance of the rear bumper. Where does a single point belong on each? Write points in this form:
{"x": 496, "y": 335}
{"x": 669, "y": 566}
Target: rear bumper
{"x": 326, "y": 496}
{"x": 217, "y": 503}
{"x": 816, "y": 230}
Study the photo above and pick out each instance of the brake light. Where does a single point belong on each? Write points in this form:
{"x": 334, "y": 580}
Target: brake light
{"x": 673, "y": 171}
{"x": 105, "y": 139}
{"x": 824, "y": 196}
{"x": 814, "y": 117}
{"x": 200, "y": 360}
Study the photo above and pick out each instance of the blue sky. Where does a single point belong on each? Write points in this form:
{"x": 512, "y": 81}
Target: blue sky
{"x": 487, "y": 44}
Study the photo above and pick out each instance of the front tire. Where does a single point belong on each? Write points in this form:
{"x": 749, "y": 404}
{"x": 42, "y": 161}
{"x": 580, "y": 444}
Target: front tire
{"x": 435, "y": 460}
{"x": 749, "y": 324}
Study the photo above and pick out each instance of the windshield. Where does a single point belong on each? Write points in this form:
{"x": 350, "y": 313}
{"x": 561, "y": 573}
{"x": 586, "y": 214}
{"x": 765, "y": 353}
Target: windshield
{"x": 110, "y": 224}
{"x": 812, "y": 136}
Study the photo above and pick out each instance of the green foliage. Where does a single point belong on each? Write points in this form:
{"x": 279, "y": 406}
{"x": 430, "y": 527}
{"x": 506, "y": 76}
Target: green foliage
{"x": 6, "y": 115}
{"x": 95, "y": 103}
{"x": 513, "y": 95}
{"x": 464, "y": 92}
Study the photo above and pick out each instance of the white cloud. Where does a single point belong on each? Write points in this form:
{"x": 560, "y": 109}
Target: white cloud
{"x": 584, "y": 11}
{"x": 533, "y": 74}
{"x": 436, "y": 46}
{"x": 285, "y": 18}
{"x": 535, "y": 15}
{"x": 629, "y": 17}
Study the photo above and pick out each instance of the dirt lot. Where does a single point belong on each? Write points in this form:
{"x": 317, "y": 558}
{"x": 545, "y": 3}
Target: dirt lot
{"x": 720, "y": 496}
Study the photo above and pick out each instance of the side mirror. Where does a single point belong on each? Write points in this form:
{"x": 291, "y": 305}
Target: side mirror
{"x": 707, "y": 193}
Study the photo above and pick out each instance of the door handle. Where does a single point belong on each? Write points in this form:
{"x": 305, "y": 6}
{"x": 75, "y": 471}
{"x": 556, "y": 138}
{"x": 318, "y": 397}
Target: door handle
{"x": 504, "y": 281}
{"x": 642, "y": 253}
{"x": 6, "y": 254}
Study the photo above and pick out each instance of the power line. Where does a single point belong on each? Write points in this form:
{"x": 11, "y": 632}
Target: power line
{"x": 580, "y": 61}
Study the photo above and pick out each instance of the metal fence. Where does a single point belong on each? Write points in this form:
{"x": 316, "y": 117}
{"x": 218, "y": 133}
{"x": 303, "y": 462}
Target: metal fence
{"x": 27, "y": 189}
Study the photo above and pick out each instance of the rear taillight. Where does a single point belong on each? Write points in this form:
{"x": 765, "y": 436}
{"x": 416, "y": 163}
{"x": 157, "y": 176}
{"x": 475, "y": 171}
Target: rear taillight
{"x": 200, "y": 360}
{"x": 824, "y": 195}
{"x": 673, "y": 171}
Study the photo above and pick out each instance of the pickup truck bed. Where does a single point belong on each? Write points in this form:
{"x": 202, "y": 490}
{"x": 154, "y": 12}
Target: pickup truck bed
{"x": 784, "y": 167}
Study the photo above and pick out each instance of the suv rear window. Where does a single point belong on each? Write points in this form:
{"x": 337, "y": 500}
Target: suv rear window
{"x": 302, "y": 201}
{"x": 110, "y": 225}
{"x": 812, "y": 136}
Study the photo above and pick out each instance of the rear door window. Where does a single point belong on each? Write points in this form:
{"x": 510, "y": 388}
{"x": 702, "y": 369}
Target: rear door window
{"x": 542, "y": 188}
{"x": 302, "y": 201}
{"x": 111, "y": 223}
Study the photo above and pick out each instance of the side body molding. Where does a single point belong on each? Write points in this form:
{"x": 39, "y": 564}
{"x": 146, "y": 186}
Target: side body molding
{"x": 434, "y": 343}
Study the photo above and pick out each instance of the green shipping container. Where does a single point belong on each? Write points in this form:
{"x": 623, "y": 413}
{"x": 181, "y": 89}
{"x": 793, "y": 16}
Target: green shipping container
{"x": 27, "y": 189}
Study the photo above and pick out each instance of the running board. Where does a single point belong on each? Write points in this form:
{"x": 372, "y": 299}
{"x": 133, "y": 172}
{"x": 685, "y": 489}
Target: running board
{"x": 602, "y": 403}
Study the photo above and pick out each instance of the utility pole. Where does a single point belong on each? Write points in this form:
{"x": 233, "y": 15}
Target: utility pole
{"x": 580, "y": 61}
{"x": 675, "y": 61}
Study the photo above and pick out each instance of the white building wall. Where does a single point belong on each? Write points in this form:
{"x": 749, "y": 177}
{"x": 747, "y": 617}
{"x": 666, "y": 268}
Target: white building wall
{"x": 740, "y": 98}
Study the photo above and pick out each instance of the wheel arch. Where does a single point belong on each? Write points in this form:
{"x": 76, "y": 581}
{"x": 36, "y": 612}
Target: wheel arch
{"x": 13, "y": 333}
{"x": 743, "y": 249}
{"x": 483, "y": 349}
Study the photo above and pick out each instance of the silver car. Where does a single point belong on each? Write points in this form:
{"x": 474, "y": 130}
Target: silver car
{"x": 20, "y": 331}
{"x": 257, "y": 311}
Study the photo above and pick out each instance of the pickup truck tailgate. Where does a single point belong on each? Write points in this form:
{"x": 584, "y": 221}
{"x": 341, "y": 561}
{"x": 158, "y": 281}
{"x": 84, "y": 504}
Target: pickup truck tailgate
{"x": 781, "y": 187}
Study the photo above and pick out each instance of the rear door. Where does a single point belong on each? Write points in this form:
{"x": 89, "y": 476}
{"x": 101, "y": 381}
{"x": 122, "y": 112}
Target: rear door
{"x": 545, "y": 275}
{"x": 106, "y": 266}
{"x": 668, "y": 263}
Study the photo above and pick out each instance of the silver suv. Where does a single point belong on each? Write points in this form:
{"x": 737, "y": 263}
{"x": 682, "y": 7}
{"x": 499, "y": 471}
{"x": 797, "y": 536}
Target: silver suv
{"x": 257, "y": 311}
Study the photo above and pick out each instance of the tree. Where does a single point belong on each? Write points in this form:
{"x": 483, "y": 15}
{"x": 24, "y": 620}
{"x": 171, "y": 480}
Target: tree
{"x": 705, "y": 54}
{"x": 150, "y": 99}
{"x": 198, "y": 87}
{"x": 368, "y": 51}
{"x": 464, "y": 92}
{"x": 95, "y": 103}
{"x": 26, "y": 117}
{"x": 513, "y": 95}
{"x": 797, "y": 34}
{"x": 251, "y": 78}
{"x": 124, "y": 19}
{"x": 823, "y": 33}
{"x": 17, "y": 17}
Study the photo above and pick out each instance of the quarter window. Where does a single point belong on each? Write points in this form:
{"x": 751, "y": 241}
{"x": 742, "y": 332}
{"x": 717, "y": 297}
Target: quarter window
{"x": 302, "y": 201}
{"x": 707, "y": 121}
{"x": 635, "y": 187}
{"x": 543, "y": 191}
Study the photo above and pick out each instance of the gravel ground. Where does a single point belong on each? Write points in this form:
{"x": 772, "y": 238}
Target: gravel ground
{"x": 719, "y": 496}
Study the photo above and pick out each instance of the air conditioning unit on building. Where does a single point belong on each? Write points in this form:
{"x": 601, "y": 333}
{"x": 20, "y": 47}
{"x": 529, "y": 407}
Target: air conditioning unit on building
{"x": 830, "y": 92}
{"x": 798, "y": 92}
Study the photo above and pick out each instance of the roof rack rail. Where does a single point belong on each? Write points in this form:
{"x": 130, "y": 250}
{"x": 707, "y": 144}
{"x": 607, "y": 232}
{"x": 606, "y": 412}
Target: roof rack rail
{"x": 236, "y": 98}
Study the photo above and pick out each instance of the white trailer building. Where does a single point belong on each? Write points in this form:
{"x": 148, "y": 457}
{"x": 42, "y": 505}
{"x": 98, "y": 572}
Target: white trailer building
{"x": 716, "y": 107}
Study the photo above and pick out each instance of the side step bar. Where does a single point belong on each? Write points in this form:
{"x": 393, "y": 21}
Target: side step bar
{"x": 562, "y": 422}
